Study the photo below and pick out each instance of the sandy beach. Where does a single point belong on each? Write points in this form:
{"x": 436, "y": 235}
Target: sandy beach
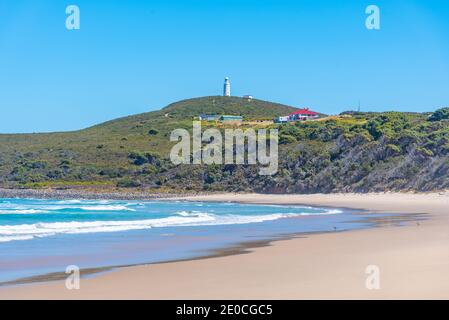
{"x": 413, "y": 260}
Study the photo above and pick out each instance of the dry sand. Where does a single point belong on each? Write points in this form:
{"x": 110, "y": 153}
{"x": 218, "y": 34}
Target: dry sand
{"x": 413, "y": 261}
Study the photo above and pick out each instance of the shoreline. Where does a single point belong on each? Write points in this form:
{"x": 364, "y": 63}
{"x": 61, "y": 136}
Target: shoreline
{"x": 379, "y": 203}
{"x": 84, "y": 194}
{"x": 239, "y": 248}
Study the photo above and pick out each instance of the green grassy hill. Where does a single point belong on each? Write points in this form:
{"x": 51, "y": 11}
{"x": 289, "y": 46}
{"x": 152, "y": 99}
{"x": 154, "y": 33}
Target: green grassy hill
{"x": 102, "y": 151}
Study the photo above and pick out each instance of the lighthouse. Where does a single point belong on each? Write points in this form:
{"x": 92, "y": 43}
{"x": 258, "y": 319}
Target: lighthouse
{"x": 227, "y": 88}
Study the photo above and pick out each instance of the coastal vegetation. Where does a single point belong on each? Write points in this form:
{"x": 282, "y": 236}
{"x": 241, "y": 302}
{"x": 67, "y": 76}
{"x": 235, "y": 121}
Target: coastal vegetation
{"x": 353, "y": 152}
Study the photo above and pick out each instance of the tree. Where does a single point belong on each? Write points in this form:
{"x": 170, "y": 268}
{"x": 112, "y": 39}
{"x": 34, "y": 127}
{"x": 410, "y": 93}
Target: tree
{"x": 441, "y": 114}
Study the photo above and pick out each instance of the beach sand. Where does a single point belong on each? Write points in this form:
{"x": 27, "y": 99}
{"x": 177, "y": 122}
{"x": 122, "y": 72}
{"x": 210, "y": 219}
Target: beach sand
{"x": 413, "y": 261}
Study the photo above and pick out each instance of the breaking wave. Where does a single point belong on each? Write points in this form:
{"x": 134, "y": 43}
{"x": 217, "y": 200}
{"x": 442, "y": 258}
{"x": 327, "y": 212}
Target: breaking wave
{"x": 49, "y": 218}
{"x": 181, "y": 219}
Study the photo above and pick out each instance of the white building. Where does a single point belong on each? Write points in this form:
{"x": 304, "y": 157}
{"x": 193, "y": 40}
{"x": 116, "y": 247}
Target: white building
{"x": 227, "y": 88}
{"x": 282, "y": 119}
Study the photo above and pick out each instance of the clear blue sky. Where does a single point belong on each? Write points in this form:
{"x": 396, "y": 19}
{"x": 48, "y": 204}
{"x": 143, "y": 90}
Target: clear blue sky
{"x": 136, "y": 56}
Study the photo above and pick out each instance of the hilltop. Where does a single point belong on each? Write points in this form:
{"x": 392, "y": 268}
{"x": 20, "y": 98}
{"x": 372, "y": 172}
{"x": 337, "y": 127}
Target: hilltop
{"x": 250, "y": 109}
{"x": 353, "y": 152}
{"x": 100, "y": 153}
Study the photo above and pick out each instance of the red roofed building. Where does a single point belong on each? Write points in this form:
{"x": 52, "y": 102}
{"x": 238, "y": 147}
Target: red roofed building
{"x": 302, "y": 115}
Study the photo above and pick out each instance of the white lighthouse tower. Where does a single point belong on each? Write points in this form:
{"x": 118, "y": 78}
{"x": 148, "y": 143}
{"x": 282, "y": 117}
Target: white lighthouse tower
{"x": 227, "y": 88}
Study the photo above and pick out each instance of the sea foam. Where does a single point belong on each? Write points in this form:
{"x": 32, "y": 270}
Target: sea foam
{"x": 29, "y": 231}
{"x": 119, "y": 216}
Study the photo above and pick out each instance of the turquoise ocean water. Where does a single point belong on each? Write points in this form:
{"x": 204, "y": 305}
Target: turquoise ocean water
{"x": 44, "y": 236}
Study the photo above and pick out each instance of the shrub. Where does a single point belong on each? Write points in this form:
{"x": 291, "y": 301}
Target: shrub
{"x": 36, "y": 164}
{"x": 441, "y": 114}
{"x": 394, "y": 149}
{"x": 425, "y": 152}
{"x": 287, "y": 139}
{"x": 140, "y": 159}
{"x": 129, "y": 183}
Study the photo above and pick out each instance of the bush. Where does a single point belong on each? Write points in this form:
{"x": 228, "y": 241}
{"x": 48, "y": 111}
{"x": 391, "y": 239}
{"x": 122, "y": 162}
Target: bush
{"x": 110, "y": 172}
{"x": 287, "y": 139}
{"x": 441, "y": 114}
{"x": 140, "y": 159}
{"x": 129, "y": 183}
{"x": 425, "y": 152}
{"x": 36, "y": 164}
{"x": 394, "y": 148}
